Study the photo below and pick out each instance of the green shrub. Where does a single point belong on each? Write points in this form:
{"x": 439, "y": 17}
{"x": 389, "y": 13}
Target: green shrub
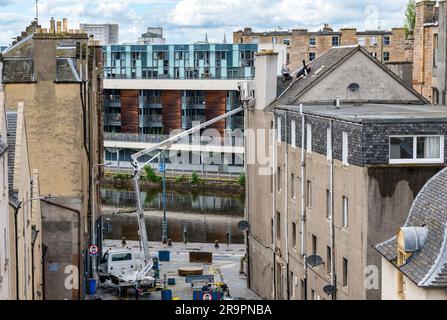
{"x": 195, "y": 178}
{"x": 181, "y": 179}
{"x": 120, "y": 176}
{"x": 150, "y": 174}
{"x": 241, "y": 180}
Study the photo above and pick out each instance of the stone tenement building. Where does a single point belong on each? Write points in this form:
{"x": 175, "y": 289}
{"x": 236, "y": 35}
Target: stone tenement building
{"x": 55, "y": 74}
{"x": 430, "y": 48}
{"x": 337, "y": 180}
{"x": 388, "y": 46}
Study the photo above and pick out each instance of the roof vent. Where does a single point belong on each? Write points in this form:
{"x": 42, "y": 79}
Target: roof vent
{"x": 412, "y": 239}
{"x": 353, "y": 87}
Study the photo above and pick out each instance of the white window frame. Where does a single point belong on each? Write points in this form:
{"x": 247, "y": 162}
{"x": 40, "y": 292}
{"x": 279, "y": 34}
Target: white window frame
{"x": 308, "y": 138}
{"x": 345, "y": 209}
{"x": 279, "y": 129}
{"x": 293, "y": 138}
{"x": 345, "y": 148}
{"x": 329, "y": 144}
{"x": 415, "y": 160}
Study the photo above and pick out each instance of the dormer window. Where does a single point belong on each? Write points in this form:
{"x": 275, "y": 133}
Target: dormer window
{"x": 416, "y": 149}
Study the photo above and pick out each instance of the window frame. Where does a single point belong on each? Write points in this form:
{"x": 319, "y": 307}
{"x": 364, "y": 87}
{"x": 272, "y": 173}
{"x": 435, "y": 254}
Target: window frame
{"x": 293, "y": 132}
{"x": 338, "y": 41}
{"x": 345, "y": 212}
{"x": 345, "y": 148}
{"x": 415, "y": 160}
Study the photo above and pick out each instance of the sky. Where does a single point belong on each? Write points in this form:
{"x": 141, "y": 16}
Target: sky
{"x": 186, "y": 21}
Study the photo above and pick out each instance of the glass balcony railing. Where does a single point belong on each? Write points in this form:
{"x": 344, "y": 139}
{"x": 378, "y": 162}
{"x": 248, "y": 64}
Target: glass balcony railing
{"x": 150, "y": 101}
{"x": 112, "y": 118}
{"x": 187, "y": 121}
{"x": 151, "y": 120}
{"x": 193, "y": 102}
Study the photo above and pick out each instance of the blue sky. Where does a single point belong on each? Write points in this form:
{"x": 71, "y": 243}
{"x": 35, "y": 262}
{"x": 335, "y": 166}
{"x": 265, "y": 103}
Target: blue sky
{"x": 186, "y": 21}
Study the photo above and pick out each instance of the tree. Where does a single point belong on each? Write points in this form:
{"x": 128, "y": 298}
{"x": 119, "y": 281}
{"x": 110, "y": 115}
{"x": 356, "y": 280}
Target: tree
{"x": 150, "y": 174}
{"x": 410, "y": 17}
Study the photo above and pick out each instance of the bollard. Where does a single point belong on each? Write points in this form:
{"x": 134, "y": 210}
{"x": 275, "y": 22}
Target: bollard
{"x": 227, "y": 238}
{"x": 169, "y": 242}
{"x": 123, "y": 242}
{"x": 185, "y": 237}
{"x": 216, "y": 244}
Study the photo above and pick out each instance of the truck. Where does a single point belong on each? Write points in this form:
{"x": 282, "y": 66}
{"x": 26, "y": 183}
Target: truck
{"x": 123, "y": 268}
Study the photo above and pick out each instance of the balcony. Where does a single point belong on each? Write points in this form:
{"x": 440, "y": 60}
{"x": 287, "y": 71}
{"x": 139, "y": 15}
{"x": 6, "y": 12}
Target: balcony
{"x": 150, "y": 102}
{"x": 112, "y": 119}
{"x": 152, "y": 120}
{"x": 112, "y": 101}
{"x": 197, "y": 102}
{"x": 187, "y": 121}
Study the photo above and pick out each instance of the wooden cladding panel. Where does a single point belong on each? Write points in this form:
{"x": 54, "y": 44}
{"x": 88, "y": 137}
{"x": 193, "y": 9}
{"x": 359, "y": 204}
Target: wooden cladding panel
{"x": 129, "y": 111}
{"x": 172, "y": 110}
{"x": 216, "y": 106}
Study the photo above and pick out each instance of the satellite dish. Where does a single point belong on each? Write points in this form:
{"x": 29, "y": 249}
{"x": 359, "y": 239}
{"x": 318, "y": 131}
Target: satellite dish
{"x": 314, "y": 261}
{"x": 243, "y": 225}
{"x": 329, "y": 290}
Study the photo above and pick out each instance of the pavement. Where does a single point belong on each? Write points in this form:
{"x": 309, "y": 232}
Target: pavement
{"x": 226, "y": 267}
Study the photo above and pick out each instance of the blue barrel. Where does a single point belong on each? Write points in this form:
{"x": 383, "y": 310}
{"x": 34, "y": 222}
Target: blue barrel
{"x": 166, "y": 295}
{"x": 164, "y": 255}
{"x": 92, "y": 286}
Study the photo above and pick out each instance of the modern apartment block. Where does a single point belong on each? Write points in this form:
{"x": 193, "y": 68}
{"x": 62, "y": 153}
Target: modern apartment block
{"x": 430, "y": 47}
{"x": 339, "y": 177}
{"x": 52, "y": 72}
{"x": 388, "y": 46}
{"x": 151, "y": 90}
{"x": 106, "y": 34}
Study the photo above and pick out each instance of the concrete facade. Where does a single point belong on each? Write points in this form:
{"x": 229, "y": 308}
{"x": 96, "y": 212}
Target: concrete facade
{"x": 289, "y": 222}
{"x": 64, "y": 122}
{"x": 106, "y": 34}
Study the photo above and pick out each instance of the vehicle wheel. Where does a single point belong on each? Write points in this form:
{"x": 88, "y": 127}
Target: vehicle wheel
{"x": 102, "y": 279}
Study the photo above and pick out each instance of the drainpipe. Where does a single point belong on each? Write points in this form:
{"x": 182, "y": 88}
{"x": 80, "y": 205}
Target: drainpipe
{"x": 16, "y": 212}
{"x": 247, "y": 202}
{"x": 78, "y": 212}
{"x": 274, "y": 177}
{"x": 303, "y": 198}
{"x": 331, "y": 208}
{"x": 286, "y": 202}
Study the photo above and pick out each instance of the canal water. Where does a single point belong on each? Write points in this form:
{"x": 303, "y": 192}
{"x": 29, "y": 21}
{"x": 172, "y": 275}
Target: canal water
{"x": 201, "y": 217}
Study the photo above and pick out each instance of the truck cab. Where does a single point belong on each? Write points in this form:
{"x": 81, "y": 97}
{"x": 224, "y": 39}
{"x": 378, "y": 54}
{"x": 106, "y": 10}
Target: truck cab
{"x": 116, "y": 263}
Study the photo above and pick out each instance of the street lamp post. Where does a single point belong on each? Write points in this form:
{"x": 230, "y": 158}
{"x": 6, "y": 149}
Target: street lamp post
{"x": 93, "y": 214}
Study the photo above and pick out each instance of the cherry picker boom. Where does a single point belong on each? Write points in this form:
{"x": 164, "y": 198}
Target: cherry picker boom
{"x": 163, "y": 146}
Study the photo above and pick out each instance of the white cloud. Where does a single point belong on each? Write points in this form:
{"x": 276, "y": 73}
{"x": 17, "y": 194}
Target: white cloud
{"x": 189, "y": 20}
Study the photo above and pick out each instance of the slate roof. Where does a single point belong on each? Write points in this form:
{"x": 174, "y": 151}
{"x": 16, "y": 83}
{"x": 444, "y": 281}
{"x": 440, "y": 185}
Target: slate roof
{"x": 3, "y": 147}
{"x": 11, "y": 120}
{"x": 66, "y": 71}
{"x": 428, "y": 266}
{"x": 290, "y": 91}
{"x": 18, "y": 70}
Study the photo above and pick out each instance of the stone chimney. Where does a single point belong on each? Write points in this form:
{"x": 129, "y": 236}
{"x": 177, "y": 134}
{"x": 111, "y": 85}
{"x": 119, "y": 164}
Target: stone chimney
{"x": 266, "y": 66}
{"x": 52, "y": 25}
{"x": 327, "y": 28}
{"x": 64, "y": 25}
{"x": 442, "y": 52}
{"x": 59, "y": 26}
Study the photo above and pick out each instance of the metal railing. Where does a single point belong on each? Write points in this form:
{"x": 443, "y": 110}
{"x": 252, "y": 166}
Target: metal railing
{"x": 153, "y": 119}
{"x": 112, "y": 118}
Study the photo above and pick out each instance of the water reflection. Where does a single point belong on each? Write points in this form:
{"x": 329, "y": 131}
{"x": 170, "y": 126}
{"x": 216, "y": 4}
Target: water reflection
{"x": 198, "y": 217}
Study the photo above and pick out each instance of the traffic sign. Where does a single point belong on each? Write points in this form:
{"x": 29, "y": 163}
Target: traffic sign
{"x": 93, "y": 250}
{"x": 162, "y": 167}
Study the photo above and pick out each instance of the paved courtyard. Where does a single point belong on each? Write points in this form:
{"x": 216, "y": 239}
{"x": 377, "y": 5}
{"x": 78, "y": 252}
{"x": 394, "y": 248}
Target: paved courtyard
{"x": 225, "y": 267}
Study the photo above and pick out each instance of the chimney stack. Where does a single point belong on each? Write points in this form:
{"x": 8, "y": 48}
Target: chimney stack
{"x": 59, "y": 27}
{"x": 52, "y": 25}
{"x": 442, "y": 52}
{"x": 64, "y": 25}
{"x": 266, "y": 66}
